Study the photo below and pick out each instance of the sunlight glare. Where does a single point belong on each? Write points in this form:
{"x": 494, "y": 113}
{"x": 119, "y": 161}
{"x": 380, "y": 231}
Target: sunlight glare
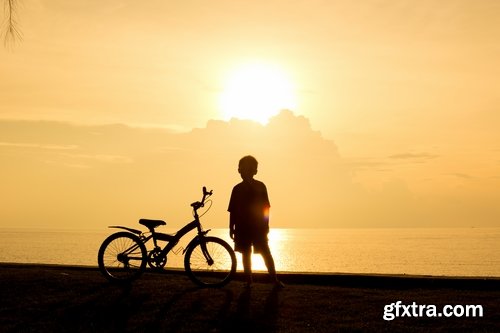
{"x": 256, "y": 92}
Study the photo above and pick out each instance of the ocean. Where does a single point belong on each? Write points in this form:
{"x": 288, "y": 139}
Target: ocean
{"x": 436, "y": 251}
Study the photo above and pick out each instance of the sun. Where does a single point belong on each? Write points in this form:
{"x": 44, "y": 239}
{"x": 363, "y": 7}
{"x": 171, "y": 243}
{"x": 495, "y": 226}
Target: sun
{"x": 256, "y": 92}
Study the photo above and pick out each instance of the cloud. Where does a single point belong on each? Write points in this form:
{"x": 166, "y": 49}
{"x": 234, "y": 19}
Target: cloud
{"x": 367, "y": 164}
{"x": 137, "y": 171}
{"x": 102, "y": 158}
{"x": 460, "y": 175}
{"x": 387, "y": 164}
{"x": 38, "y": 146}
{"x": 413, "y": 156}
{"x": 93, "y": 176}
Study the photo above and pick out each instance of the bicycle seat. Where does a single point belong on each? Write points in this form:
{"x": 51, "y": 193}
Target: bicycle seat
{"x": 151, "y": 224}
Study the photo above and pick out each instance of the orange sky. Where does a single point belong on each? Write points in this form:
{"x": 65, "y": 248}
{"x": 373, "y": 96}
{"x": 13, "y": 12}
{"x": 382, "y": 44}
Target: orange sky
{"x": 400, "y": 100}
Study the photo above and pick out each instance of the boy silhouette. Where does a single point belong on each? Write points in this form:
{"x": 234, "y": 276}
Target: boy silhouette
{"x": 249, "y": 219}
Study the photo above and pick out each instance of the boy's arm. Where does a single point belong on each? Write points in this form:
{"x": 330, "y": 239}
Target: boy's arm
{"x": 267, "y": 206}
{"x": 232, "y": 217}
{"x": 231, "y": 225}
{"x": 266, "y": 218}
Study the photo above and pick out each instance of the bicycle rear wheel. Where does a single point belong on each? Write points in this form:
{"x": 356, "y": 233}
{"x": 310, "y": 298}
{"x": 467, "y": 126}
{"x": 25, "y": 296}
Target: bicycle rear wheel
{"x": 210, "y": 262}
{"x": 122, "y": 257}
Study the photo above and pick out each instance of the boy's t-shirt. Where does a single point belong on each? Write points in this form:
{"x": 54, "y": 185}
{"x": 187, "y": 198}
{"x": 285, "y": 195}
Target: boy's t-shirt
{"x": 250, "y": 205}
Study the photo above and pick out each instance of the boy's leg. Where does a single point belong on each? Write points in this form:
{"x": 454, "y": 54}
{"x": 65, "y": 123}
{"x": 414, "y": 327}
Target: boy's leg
{"x": 247, "y": 264}
{"x": 269, "y": 261}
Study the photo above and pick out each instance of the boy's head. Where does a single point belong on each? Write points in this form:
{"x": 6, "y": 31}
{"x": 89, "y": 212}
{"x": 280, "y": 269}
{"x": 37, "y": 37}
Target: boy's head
{"x": 247, "y": 167}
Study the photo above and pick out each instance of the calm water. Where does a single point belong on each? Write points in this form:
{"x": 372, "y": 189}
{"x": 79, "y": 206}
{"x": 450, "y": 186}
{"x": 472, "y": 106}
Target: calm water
{"x": 456, "y": 252}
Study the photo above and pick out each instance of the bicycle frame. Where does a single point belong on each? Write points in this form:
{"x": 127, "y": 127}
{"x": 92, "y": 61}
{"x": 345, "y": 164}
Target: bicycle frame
{"x": 174, "y": 239}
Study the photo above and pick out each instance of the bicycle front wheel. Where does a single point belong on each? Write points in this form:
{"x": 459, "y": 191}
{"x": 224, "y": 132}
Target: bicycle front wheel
{"x": 122, "y": 257}
{"x": 210, "y": 262}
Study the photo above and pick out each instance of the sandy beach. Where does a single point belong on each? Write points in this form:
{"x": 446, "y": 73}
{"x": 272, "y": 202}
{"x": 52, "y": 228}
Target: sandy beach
{"x": 46, "y": 298}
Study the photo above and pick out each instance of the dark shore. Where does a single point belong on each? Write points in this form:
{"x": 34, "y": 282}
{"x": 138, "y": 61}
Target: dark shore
{"x": 47, "y": 298}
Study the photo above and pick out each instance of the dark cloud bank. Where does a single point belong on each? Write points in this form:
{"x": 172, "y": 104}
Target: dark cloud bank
{"x": 64, "y": 175}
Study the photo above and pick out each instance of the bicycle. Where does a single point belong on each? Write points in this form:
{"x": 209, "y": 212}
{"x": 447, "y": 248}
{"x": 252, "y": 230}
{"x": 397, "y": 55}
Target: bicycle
{"x": 208, "y": 261}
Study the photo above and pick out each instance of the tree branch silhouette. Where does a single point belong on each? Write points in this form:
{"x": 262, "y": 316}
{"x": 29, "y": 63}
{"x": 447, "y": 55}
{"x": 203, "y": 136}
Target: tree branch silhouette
{"x": 10, "y": 31}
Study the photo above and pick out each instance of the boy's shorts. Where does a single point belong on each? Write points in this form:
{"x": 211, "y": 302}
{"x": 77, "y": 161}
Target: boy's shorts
{"x": 243, "y": 243}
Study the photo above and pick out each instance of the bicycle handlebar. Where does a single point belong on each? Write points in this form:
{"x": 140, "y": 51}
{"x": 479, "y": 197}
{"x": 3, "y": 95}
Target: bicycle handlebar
{"x": 198, "y": 204}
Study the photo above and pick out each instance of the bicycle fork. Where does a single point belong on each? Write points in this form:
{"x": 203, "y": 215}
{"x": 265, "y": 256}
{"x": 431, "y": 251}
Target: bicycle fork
{"x": 203, "y": 244}
{"x": 205, "y": 252}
